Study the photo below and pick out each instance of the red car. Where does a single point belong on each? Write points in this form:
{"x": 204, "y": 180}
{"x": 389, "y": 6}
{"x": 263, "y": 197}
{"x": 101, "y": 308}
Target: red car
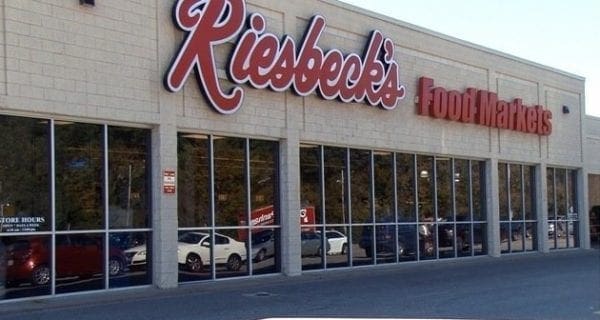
{"x": 28, "y": 259}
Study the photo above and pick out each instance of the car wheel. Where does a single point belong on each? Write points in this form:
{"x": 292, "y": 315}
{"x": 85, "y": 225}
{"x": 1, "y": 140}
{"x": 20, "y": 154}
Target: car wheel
{"x": 115, "y": 266}
{"x": 260, "y": 256}
{"x": 194, "y": 262}
{"x": 344, "y": 248}
{"x": 40, "y": 276}
{"x": 234, "y": 263}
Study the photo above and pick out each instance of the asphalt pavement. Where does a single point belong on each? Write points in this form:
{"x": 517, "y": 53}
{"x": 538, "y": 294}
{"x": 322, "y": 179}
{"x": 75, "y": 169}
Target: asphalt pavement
{"x": 557, "y": 285}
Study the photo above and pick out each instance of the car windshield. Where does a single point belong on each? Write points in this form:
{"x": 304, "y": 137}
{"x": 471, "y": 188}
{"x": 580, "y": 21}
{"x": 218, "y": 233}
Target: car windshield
{"x": 191, "y": 238}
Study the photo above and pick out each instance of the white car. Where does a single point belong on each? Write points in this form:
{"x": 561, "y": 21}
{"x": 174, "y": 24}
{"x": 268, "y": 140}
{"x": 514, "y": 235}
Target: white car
{"x": 136, "y": 256}
{"x": 193, "y": 251}
{"x": 337, "y": 241}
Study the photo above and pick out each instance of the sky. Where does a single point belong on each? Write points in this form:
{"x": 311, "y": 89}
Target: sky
{"x": 564, "y": 35}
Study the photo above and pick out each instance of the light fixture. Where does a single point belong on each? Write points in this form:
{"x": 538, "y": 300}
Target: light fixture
{"x": 88, "y": 2}
{"x": 565, "y": 109}
{"x": 424, "y": 174}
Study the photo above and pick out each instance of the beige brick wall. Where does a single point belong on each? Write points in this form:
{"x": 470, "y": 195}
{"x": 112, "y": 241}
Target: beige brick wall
{"x": 76, "y": 61}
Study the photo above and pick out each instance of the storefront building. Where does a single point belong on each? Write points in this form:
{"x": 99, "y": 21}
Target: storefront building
{"x": 185, "y": 141}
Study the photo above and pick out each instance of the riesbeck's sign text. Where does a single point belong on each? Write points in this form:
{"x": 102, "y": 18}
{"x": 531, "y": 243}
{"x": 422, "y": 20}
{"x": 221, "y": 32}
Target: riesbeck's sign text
{"x": 263, "y": 60}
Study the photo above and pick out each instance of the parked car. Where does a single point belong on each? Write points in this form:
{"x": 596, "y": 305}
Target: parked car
{"x": 193, "y": 251}
{"x": 136, "y": 256}
{"x": 312, "y": 244}
{"x": 263, "y": 245}
{"x": 338, "y": 242}
{"x": 386, "y": 241}
{"x": 28, "y": 259}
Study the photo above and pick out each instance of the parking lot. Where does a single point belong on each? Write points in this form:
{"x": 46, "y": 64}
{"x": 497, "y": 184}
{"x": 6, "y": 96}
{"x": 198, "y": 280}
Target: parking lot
{"x": 559, "y": 285}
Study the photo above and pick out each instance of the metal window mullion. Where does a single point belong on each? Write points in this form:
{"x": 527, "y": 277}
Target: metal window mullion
{"x": 211, "y": 166}
{"x": 106, "y": 226}
{"x": 567, "y": 207}
{"x": 523, "y": 213}
{"x": 321, "y": 159}
{"x": 509, "y": 206}
{"x": 470, "y": 197}
{"x": 372, "y": 202}
{"x": 53, "y": 208}
{"x": 415, "y": 168}
{"x": 395, "y": 203}
{"x": 347, "y": 200}
{"x": 453, "y": 197}
{"x": 555, "y": 237}
{"x": 435, "y": 209}
{"x": 248, "y": 205}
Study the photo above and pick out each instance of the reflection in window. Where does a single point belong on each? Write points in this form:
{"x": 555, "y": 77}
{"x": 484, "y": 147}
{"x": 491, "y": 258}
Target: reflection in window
{"x": 128, "y": 154}
{"x": 405, "y": 181}
{"x": 425, "y": 188}
{"x": 310, "y": 181}
{"x": 335, "y": 172}
{"x": 384, "y": 186}
{"x": 502, "y": 191}
{"x": 444, "y": 179}
{"x": 79, "y": 175}
{"x": 563, "y": 217}
{"x": 517, "y": 229}
{"x": 244, "y": 238}
{"x": 80, "y": 259}
{"x": 193, "y": 199}
{"x": 24, "y": 173}
{"x": 230, "y": 180}
{"x": 360, "y": 185}
{"x": 25, "y": 269}
{"x": 132, "y": 252}
{"x": 478, "y": 190}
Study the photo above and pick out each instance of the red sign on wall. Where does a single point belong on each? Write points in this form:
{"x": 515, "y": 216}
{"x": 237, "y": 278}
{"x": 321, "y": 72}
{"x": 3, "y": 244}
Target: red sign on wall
{"x": 482, "y": 107}
{"x": 169, "y": 181}
{"x": 265, "y": 61}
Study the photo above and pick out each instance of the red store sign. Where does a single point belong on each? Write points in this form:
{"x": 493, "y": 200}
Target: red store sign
{"x": 481, "y": 107}
{"x": 265, "y": 61}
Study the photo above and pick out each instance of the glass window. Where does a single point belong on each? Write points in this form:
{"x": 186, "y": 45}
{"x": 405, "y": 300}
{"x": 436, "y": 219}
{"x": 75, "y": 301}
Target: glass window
{"x": 425, "y": 188}
{"x": 360, "y": 186}
{"x": 503, "y": 191}
{"x": 25, "y": 266}
{"x": 444, "y": 177}
{"x": 478, "y": 190}
{"x": 384, "y": 186}
{"x": 80, "y": 262}
{"x": 230, "y": 181}
{"x": 335, "y": 184}
{"x": 462, "y": 189}
{"x": 79, "y": 176}
{"x": 405, "y": 181}
{"x": 193, "y": 196}
{"x": 310, "y": 183}
{"x": 128, "y": 154}
{"x": 516, "y": 192}
{"x": 130, "y": 254}
{"x": 244, "y": 237}
{"x": 529, "y": 192}
{"x": 24, "y": 175}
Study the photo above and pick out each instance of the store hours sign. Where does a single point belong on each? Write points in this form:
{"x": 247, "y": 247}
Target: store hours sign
{"x": 21, "y": 224}
{"x": 263, "y": 60}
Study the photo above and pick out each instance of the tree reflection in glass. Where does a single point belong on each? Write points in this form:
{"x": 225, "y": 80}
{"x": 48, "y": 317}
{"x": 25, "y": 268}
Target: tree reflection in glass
{"x": 79, "y": 176}
{"x": 230, "y": 181}
{"x": 128, "y": 156}
{"x": 193, "y": 184}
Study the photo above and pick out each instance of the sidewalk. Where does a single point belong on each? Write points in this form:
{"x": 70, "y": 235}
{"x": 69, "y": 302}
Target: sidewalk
{"x": 558, "y": 285}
